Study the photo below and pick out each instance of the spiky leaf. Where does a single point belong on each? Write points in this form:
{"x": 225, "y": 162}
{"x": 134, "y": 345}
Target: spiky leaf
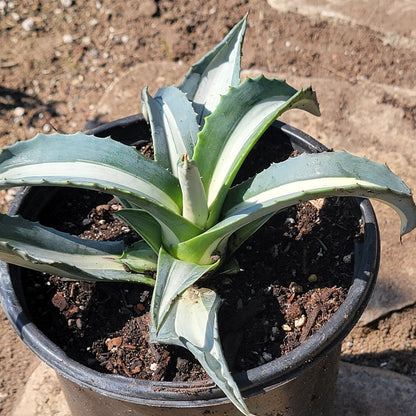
{"x": 303, "y": 178}
{"x": 173, "y": 125}
{"x": 212, "y": 76}
{"x": 32, "y": 245}
{"x": 84, "y": 161}
{"x": 173, "y": 278}
{"x": 234, "y": 128}
{"x": 144, "y": 224}
{"x": 192, "y": 323}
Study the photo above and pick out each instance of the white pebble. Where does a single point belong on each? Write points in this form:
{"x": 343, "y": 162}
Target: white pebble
{"x": 27, "y": 24}
{"x": 267, "y": 356}
{"x": 289, "y": 221}
{"x": 153, "y": 366}
{"x": 46, "y": 128}
{"x": 66, "y": 3}
{"x": 67, "y": 38}
{"x": 300, "y": 322}
{"x": 86, "y": 40}
{"x": 93, "y": 52}
{"x": 19, "y": 111}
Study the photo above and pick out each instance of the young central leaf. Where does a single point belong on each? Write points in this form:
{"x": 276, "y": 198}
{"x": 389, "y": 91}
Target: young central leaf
{"x": 195, "y": 208}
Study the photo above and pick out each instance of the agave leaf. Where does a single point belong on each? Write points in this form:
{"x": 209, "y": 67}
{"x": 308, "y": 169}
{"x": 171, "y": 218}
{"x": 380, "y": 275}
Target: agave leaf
{"x": 139, "y": 257}
{"x": 173, "y": 124}
{"x": 173, "y": 277}
{"x": 34, "y": 246}
{"x": 89, "y": 162}
{"x": 192, "y": 323}
{"x": 303, "y": 178}
{"x": 212, "y": 76}
{"x": 195, "y": 208}
{"x": 234, "y": 128}
{"x": 99, "y": 164}
{"x": 126, "y": 204}
{"x": 231, "y": 267}
{"x": 144, "y": 224}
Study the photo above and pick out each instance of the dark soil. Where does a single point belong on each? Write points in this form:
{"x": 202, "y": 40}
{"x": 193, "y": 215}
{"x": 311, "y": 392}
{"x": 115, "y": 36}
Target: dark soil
{"x": 295, "y": 272}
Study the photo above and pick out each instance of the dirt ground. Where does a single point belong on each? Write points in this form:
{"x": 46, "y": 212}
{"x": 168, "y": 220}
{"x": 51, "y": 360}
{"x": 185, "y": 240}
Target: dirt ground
{"x": 58, "y": 59}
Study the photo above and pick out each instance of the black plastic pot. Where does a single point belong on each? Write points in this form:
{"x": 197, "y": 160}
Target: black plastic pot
{"x": 301, "y": 383}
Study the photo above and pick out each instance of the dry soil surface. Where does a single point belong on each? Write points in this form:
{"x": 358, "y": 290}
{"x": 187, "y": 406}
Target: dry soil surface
{"x": 64, "y": 63}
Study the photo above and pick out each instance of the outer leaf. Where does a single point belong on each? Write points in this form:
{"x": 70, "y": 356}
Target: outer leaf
{"x": 218, "y": 70}
{"x": 303, "y": 178}
{"x": 87, "y": 159}
{"x": 34, "y": 246}
{"x": 144, "y": 224}
{"x": 173, "y": 277}
{"x": 233, "y": 129}
{"x": 98, "y": 164}
{"x": 173, "y": 124}
{"x": 139, "y": 257}
{"x": 192, "y": 323}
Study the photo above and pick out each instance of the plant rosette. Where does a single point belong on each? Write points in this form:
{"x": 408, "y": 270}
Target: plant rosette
{"x": 190, "y": 215}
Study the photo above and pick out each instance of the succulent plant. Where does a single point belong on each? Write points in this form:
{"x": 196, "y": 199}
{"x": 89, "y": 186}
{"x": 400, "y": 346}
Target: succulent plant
{"x": 190, "y": 215}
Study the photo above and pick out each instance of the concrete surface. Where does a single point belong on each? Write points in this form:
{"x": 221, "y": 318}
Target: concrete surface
{"x": 394, "y": 19}
{"x": 42, "y": 395}
{"x": 364, "y": 391}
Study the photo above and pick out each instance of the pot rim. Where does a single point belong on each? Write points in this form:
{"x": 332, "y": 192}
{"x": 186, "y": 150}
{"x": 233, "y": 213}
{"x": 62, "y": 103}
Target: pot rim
{"x": 184, "y": 394}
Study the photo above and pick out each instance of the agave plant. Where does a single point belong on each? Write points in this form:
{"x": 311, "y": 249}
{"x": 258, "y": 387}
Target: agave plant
{"x": 184, "y": 204}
